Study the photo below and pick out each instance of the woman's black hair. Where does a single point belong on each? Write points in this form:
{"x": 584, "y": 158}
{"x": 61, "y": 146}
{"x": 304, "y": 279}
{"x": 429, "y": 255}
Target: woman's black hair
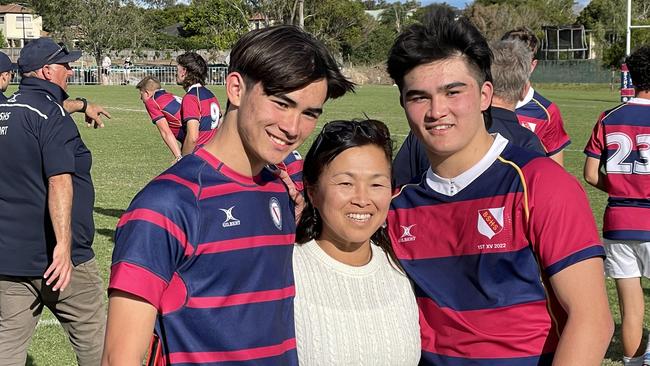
{"x": 335, "y": 138}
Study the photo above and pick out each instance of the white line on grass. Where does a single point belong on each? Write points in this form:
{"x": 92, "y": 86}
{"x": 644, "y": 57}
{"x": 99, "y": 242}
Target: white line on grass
{"x": 127, "y": 109}
{"x": 47, "y": 322}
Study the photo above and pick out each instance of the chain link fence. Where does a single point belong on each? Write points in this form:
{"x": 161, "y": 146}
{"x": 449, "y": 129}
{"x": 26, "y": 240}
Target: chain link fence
{"x": 573, "y": 71}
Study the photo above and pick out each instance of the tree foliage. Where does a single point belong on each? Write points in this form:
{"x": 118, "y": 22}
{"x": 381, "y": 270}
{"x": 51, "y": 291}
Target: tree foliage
{"x": 495, "y": 17}
{"x": 215, "y": 23}
{"x": 98, "y": 26}
{"x": 608, "y": 19}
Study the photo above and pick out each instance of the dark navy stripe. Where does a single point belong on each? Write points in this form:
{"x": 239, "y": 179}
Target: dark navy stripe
{"x": 628, "y": 202}
{"x": 474, "y": 282}
{"x": 230, "y": 328}
{"x": 640, "y": 235}
{"x": 434, "y": 359}
{"x": 589, "y": 252}
{"x": 629, "y": 118}
{"x": 173, "y": 107}
{"x": 258, "y": 269}
{"x": 549, "y": 153}
{"x": 592, "y": 155}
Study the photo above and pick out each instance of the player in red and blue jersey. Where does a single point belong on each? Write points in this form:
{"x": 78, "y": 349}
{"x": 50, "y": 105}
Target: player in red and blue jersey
{"x": 164, "y": 108}
{"x": 200, "y": 110}
{"x": 618, "y": 163}
{"x": 499, "y": 241}
{"x": 203, "y": 254}
{"x": 537, "y": 113}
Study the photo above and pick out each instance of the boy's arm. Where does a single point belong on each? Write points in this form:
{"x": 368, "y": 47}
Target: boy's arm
{"x": 129, "y": 329}
{"x": 191, "y": 136}
{"x": 168, "y": 137}
{"x": 580, "y": 289}
{"x": 593, "y": 174}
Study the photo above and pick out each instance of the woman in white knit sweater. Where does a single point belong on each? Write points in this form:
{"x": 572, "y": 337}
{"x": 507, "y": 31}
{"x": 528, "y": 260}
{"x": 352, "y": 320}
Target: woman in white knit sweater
{"x": 353, "y": 304}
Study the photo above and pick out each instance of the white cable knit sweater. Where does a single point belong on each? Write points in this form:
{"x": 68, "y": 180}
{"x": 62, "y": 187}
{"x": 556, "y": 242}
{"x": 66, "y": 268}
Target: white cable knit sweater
{"x": 349, "y": 315}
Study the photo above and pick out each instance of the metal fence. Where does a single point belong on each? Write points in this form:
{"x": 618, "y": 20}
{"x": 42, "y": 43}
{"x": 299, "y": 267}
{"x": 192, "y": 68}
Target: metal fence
{"x": 572, "y": 71}
{"x": 131, "y": 76}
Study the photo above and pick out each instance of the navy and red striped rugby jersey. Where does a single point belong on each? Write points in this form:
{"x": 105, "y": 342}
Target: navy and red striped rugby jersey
{"x": 621, "y": 140}
{"x": 200, "y": 104}
{"x": 211, "y": 250}
{"x": 480, "y": 259}
{"x": 543, "y": 117}
{"x": 164, "y": 104}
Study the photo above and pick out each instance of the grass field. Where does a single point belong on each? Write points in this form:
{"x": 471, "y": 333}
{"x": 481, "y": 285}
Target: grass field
{"x": 129, "y": 152}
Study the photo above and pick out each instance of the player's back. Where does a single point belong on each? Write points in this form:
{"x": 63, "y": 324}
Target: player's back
{"x": 201, "y": 104}
{"x": 621, "y": 139}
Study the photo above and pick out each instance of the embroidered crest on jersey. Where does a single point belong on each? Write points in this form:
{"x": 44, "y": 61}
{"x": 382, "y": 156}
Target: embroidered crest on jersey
{"x": 231, "y": 220}
{"x": 490, "y": 221}
{"x": 406, "y": 234}
{"x": 529, "y": 125}
{"x": 276, "y": 212}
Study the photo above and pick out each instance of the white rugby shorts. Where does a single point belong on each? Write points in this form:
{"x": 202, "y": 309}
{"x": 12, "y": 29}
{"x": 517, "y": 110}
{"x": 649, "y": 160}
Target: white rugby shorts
{"x": 627, "y": 258}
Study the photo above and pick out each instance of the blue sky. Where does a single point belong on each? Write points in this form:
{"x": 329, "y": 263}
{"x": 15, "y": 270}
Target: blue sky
{"x": 461, "y": 3}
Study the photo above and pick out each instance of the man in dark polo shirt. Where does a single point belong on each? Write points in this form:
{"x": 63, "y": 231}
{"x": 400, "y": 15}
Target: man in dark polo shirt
{"x": 6, "y": 73}
{"x": 510, "y": 74}
{"x": 46, "y": 203}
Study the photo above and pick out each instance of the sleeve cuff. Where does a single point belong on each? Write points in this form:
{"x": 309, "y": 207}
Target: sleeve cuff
{"x": 136, "y": 280}
{"x": 596, "y": 250}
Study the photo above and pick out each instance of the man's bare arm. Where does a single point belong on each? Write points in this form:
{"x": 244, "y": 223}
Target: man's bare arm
{"x": 93, "y": 112}
{"x": 59, "y": 203}
{"x": 593, "y": 174}
{"x": 191, "y": 136}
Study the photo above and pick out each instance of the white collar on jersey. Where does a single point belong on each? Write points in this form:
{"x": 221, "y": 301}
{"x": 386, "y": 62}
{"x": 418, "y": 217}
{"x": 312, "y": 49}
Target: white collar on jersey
{"x": 450, "y": 187}
{"x": 197, "y": 85}
{"x": 639, "y": 101}
{"x": 529, "y": 96}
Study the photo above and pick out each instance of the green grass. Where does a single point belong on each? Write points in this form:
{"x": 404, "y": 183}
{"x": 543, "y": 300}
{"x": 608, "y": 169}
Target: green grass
{"x": 129, "y": 152}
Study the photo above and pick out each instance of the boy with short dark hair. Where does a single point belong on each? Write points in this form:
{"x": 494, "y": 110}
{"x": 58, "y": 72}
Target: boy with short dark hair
{"x": 500, "y": 242}
{"x": 203, "y": 254}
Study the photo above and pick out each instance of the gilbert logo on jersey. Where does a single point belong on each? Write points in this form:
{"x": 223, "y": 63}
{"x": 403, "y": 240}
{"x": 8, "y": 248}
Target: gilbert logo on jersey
{"x": 490, "y": 221}
{"x": 230, "y": 219}
{"x": 406, "y": 234}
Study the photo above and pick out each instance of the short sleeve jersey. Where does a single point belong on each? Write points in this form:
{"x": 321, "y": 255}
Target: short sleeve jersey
{"x": 42, "y": 141}
{"x": 621, "y": 141}
{"x": 168, "y": 106}
{"x": 480, "y": 258}
{"x": 200, "y": 104}
{"x": 212, "y": 250}
{"x": 543, "y": 117}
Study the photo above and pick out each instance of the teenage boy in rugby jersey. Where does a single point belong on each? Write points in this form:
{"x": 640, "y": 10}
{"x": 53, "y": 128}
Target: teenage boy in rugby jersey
{"x": 618, "y": 155}
{"x": 203, "y": 255}
{"x": 164, "y": 108}
{"x": 537, "y": 113}
{"x": 200, "y": 110}
{"x": 499, "y": 241}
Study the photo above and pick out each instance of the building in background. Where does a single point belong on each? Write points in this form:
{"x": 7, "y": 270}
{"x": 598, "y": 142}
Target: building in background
{"x": 19, "y": 25}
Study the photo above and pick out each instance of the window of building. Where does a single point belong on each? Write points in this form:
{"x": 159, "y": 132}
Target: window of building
{"x": 24, "y": 21}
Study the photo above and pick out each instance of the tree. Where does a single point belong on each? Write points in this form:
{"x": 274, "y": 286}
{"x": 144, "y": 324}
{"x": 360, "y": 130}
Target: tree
{"x": 495, "y": 17}
{"x": 338, "y": 23}
{"x": 608, "y": 19}
{"x": 216, "y": 23}
{"x": 398, "y": 14}
{"x": 98, "y": 26}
